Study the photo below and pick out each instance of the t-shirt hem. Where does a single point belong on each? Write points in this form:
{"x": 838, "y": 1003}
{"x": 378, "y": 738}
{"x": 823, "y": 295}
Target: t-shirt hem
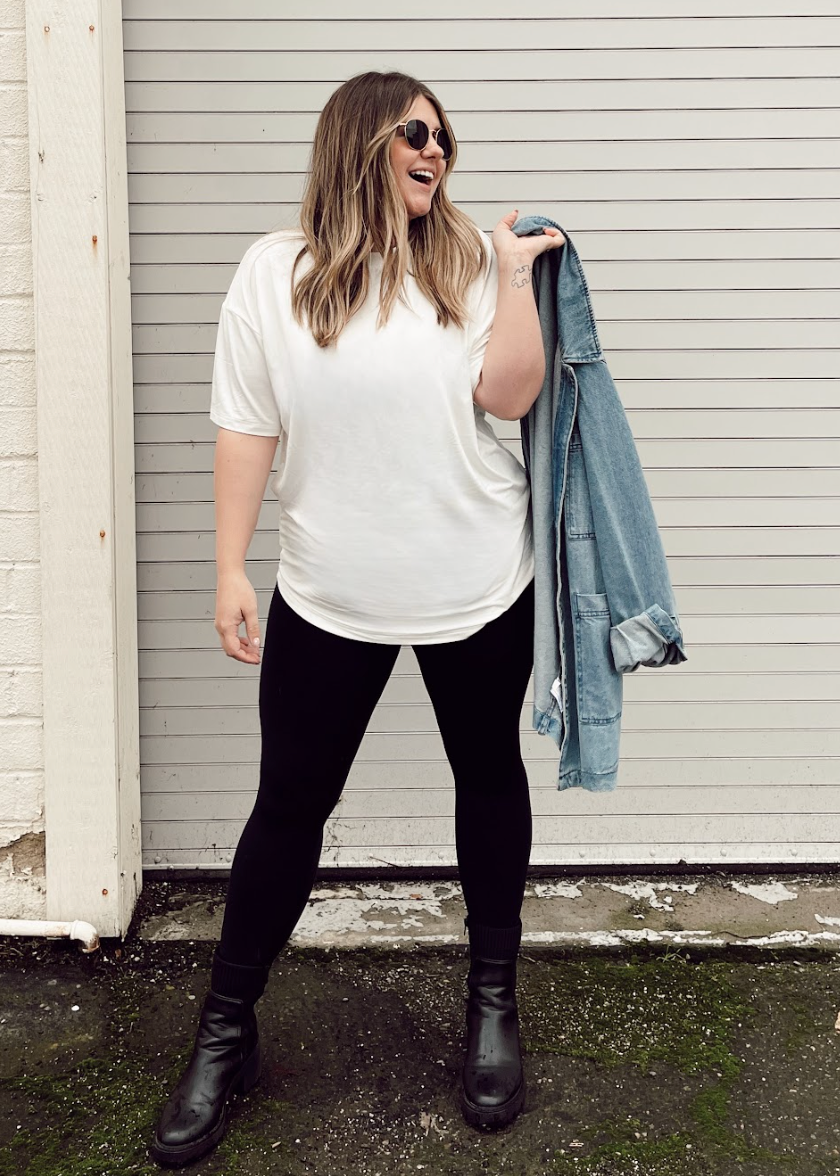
{"x": 304, "y": 610}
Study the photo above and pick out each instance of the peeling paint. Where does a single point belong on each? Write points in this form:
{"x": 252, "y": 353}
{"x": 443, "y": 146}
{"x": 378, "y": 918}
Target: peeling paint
{"x": 800, "y": 938}
{"x": 406, "y": 900}
{"x": 557, "y": 890}
{"x": 616, "y": 938}
{"x": 647, "y": 890}
{"x": 579, "y": 938}
{"x": 24, "y": 854}
{"x": 770, "y": 892}
{"x": 642, "y": 935}
{"x": 428, "y": 891}
{"x": 677, "y": 912}
{"x": 23, "y": 892}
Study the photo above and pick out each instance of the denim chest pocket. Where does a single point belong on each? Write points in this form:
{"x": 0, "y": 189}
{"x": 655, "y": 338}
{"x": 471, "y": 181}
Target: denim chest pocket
{"x": 579, "y": 524}
{"x": 599, "y": 683}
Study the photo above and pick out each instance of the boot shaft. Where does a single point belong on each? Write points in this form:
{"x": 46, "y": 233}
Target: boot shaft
{"x": 493, "y": 943}
{"x": 238, "y": 981}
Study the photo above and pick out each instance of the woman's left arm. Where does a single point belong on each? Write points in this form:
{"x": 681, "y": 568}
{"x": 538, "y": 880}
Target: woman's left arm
{"x": 513, "y": 369}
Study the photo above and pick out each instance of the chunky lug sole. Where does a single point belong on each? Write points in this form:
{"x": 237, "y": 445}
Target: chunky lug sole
{"x": 185, "y": 1153}
{"x": 491, "y": 1118}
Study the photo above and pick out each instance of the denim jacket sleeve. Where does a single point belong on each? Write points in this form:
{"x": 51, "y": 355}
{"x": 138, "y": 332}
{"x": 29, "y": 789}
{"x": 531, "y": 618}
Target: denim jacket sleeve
{"x": 645, "y": 626}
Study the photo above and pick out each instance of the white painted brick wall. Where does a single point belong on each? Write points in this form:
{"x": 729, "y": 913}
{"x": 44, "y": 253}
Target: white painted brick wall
{"x": 22, "y": 891}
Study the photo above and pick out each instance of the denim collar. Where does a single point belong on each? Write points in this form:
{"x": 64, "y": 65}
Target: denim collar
{"x": 576, "y": 329}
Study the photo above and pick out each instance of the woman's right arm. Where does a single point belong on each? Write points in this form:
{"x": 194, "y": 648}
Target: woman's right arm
{"x": 241, "y": 468}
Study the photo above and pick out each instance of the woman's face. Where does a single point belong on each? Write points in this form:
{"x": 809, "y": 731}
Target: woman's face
{"x": 417, "y": 194}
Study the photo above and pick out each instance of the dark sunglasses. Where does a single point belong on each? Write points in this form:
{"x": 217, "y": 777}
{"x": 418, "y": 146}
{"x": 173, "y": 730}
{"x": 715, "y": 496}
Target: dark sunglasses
{"x": 417, "y": 136}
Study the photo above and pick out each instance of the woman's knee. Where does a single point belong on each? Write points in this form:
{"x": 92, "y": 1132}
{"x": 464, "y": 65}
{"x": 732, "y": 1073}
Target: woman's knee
{"x": 498, "y": 776}
{"x": 300, "y": 798}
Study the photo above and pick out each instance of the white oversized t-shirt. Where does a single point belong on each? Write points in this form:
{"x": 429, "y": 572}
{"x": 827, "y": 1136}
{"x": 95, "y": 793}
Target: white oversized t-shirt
{"x": 403, "y": 518}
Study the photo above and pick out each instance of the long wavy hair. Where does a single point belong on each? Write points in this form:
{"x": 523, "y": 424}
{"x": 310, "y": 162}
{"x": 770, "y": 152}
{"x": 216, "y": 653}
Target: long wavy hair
{"x": 352, "y": 206}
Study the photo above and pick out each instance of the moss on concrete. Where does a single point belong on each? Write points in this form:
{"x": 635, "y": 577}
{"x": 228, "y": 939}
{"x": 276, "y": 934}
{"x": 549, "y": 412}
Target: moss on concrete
{"x": 633, "y": 1010}
{"x": 636, "y": 1067}
{"x": 94, "y": 1119}
{"x": 647, "y": 1012}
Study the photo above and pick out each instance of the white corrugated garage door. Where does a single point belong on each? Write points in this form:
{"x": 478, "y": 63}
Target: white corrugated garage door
{"x": 694, "y": 161}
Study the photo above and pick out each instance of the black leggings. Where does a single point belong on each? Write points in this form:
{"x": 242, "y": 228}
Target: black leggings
{"x": 317, "y": 693}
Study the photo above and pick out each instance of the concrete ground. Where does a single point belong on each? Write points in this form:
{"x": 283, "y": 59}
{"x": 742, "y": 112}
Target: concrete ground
{"x": 670, "y": 1026}
{"x": 711, "y": 910}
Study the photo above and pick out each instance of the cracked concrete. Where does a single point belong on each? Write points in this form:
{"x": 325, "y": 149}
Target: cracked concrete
{"x": 714, "y": 911}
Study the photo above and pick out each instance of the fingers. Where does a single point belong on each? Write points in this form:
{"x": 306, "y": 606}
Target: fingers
{"x": 236, "y": 602}
{"x": 555, "y": 238}
{"x": 244, "y": 649}
{"x": 254, "y": 641}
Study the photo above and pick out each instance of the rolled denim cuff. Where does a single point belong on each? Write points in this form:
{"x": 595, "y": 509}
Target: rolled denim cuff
{"x": 653, "y": 638}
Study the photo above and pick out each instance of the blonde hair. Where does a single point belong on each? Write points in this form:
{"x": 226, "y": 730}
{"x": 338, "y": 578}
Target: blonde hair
{"x": 352, "y": 206}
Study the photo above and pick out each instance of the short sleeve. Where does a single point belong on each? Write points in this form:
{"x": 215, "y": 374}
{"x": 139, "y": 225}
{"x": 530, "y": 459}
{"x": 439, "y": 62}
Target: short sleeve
{"x": 242, "y": 398}
{"x": 482, "y": 311}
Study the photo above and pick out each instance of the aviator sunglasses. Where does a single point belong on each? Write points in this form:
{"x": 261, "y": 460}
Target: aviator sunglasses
{"x": 417, "y": 136}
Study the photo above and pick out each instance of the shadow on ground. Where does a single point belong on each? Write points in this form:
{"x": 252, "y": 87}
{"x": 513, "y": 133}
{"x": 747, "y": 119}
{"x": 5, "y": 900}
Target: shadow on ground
{"x": 637, "y": 1064}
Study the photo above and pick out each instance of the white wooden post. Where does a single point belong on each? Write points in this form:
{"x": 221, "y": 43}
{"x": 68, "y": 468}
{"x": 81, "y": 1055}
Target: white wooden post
{"x": 85, "y": 460}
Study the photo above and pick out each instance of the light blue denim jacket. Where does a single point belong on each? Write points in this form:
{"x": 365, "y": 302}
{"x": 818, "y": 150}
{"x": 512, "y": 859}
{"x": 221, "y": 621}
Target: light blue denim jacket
{"x": 604, "y": 604}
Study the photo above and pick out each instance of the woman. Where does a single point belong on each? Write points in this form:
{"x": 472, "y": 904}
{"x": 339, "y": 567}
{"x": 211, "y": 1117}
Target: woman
{"x": 370, "y": 343}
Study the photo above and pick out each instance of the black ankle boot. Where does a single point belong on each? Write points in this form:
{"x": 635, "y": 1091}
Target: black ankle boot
{"x": 492, "y": 1082}
{"x": 225, "y": 1061}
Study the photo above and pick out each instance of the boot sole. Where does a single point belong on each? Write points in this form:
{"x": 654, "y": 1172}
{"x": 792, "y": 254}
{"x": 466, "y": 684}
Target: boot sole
{"x": 493, "y": 1117}
{"x": 179, "y": 1154}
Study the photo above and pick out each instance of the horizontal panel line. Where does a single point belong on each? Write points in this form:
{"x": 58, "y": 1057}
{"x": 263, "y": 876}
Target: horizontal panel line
{"x": 565, "y": 142}
{"x": 750, "y": 584}
{"x": 446, "y": 790}
{"x": 613, "y": 351}
{"x": 181, "y": 502}
{"x": 645, "y": 440}
{"x": 689, "y": 528}
{"x": 729, "y": 703}
{"x": 659, "y": 814}
{"x": 671, "y": 839}
{"x": 501, "y": 50}
{"x": 154, "y": 112}
{"x": 654, "y": 498}
{"x": 546, "y": 759}
{"x": 579, "y": 233}
{"x": 665, "y": 380}
{"x": 551, "y": 171}
{"x": 454, "y": 110}
{"x": 407, "y": 734}
{"x": 806, "y": 318}
{"x": 404, "y": 675}
{"x": 573, "y": 79}
{"x": 687, "y": 380}
{"x": 280, "y": 20}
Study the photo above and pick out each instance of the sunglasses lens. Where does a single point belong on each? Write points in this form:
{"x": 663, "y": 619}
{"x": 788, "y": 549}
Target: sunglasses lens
{"x": 417, "y": 136}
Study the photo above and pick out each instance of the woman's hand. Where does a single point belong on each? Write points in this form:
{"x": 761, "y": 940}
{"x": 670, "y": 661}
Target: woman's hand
{"x": 522, "y": 250}
{"x": 236, "y": 601}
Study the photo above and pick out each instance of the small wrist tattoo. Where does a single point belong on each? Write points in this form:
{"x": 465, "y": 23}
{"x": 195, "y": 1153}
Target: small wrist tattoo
{"x": 521, "y": 276}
